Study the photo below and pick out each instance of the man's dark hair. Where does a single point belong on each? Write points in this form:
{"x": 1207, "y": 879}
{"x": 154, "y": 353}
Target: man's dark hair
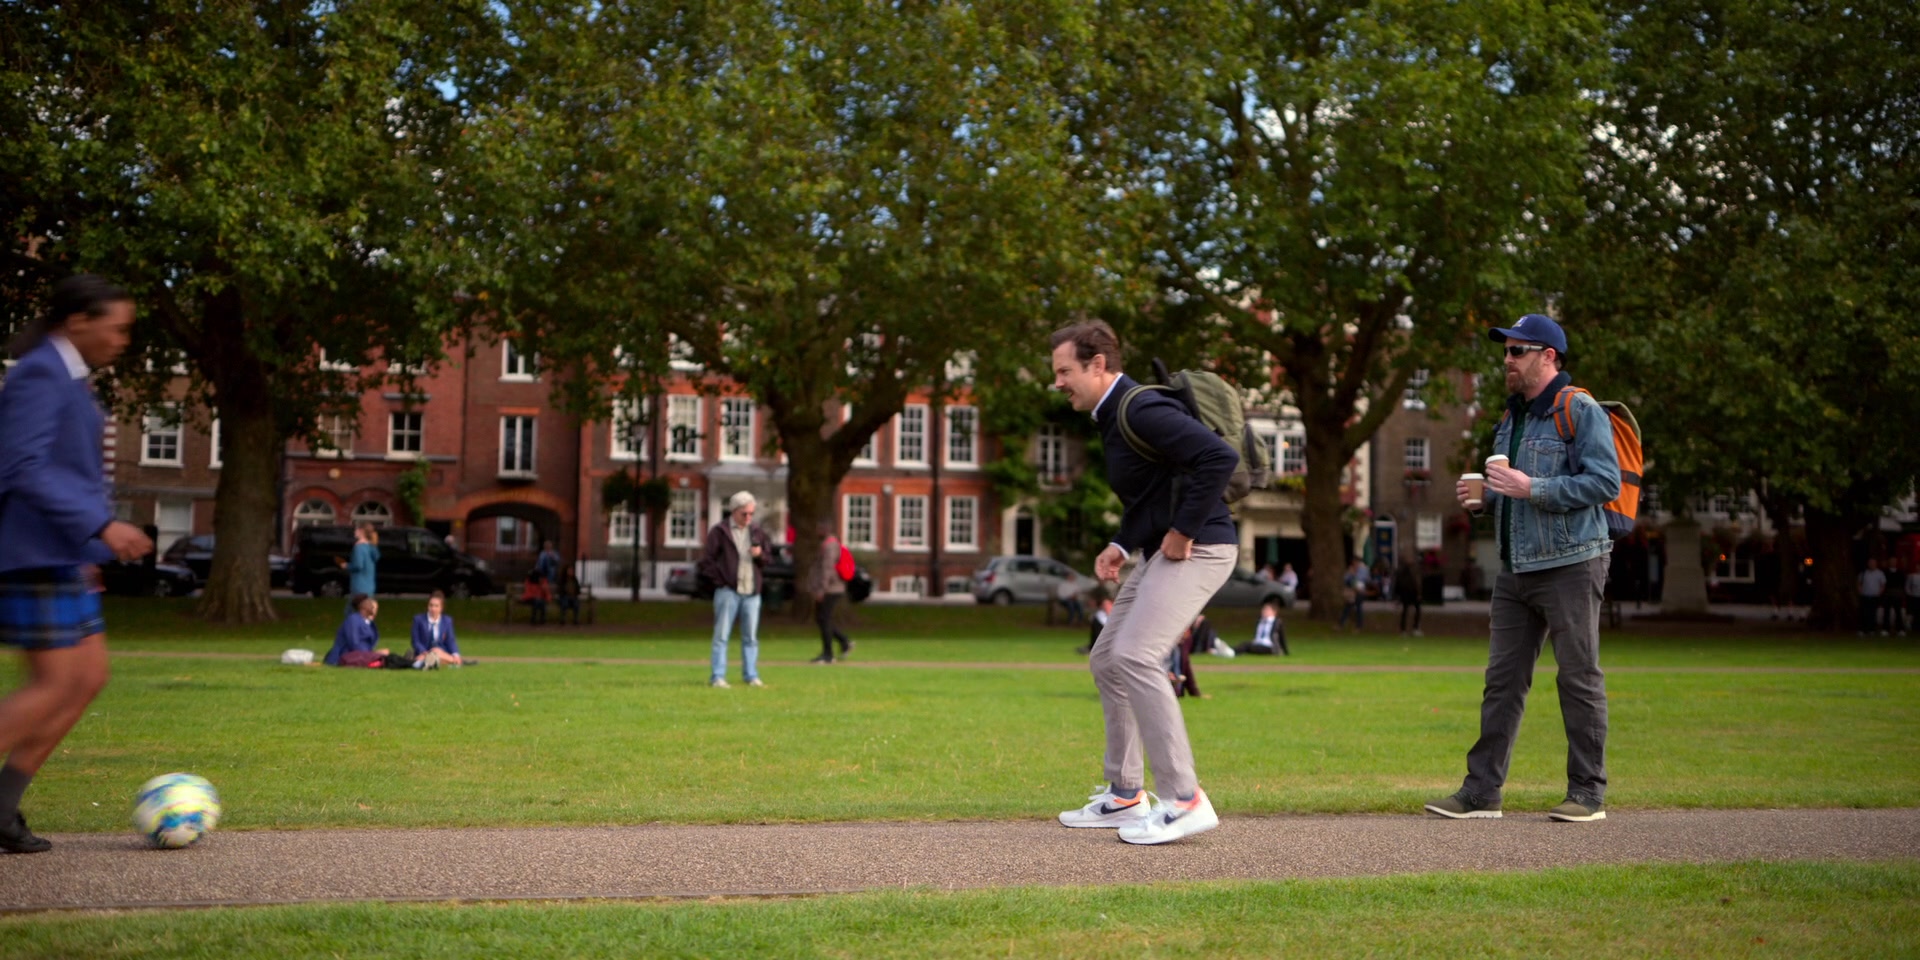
{"x": 1091, "y": 338}
{"x": 356, "y": 601}
{"x": 81, "y": 293}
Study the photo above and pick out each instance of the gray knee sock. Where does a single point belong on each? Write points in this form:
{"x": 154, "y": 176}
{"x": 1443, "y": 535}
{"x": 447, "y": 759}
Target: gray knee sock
{"x": 13, "y": 783}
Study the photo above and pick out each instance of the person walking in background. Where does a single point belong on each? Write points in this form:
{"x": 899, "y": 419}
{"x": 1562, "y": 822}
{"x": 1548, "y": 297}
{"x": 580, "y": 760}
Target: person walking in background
{"x": 1353, "y": 590}
{"x": 434, "y": 644}
{"x": 1268, "y": 634}
{"x": 734, "y": 560}
{"x": 828, "y": 590}
{"x": 1188, "y": 546}
{"x": 56, "y": 526}
{"x": 1871, "y": 583}
{"x": 362, "y": 563}
{"x": 1406, "y": 589}
{"x": 1554, "y": 551}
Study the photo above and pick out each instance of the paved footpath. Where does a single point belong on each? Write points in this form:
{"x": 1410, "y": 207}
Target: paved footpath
{"x": 259, "y": 867}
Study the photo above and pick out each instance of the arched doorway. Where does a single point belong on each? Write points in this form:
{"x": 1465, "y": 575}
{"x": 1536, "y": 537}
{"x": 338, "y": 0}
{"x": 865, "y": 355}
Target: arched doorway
{"x": 508, "y": 536}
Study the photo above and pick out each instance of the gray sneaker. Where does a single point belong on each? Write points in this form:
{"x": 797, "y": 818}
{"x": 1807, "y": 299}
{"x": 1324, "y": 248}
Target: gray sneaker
{"x": 1573, "y": 811}
{"x": 1458, "y": 807}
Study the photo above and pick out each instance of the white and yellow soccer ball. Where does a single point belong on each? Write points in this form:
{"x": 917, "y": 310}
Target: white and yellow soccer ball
{"x": 175, "y": 809}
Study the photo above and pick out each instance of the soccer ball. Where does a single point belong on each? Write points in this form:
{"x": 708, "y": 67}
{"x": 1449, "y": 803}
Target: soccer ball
{"x": 175, "y": 809}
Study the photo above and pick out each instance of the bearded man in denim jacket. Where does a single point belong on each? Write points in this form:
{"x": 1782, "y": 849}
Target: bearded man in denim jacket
{"x": 1554, "y": 550}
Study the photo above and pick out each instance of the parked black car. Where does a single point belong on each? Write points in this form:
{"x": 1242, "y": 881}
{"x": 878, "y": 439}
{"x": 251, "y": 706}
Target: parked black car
{"x": 777, "y": 577}
{"x": 134, "y": 580}
{"x": 196, "y": 553}
{"x": 412, "y": 560}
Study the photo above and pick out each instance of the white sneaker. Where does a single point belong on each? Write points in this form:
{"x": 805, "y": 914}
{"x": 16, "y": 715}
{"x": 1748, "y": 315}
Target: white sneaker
{"x": 1103, "y": 809}
{"x": 1220, "y": 648}
{"x": 720, "y": 683}
{"x": 1172, "y": 820}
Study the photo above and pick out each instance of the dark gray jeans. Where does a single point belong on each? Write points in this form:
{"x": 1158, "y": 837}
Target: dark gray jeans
{"x": 1563, "y": 601}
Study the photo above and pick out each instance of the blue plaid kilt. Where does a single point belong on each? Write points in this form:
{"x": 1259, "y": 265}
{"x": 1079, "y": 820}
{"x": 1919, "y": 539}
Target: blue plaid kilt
{"x": 48, "y": 609}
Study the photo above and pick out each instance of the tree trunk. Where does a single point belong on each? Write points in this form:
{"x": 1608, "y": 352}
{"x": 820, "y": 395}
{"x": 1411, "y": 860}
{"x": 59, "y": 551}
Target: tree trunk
{"x": 1835, "y": 604}
{"x": 1326, "y": 534}
{"x": 811, "y": 483}
{"x": 244, "y": 519}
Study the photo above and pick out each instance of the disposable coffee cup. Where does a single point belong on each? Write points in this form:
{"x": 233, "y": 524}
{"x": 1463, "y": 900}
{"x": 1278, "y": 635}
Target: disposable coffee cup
{"x": 1476, "y": 489}
{"x": 1497, "y": 460}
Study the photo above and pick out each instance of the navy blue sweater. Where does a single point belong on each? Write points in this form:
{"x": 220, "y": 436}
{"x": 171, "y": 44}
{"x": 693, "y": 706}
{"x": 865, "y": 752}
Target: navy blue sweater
{"x": 1191, "y": 451}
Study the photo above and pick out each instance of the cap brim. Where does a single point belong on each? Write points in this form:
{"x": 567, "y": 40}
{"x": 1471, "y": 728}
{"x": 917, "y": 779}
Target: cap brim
{"x": 1500, "y": 334}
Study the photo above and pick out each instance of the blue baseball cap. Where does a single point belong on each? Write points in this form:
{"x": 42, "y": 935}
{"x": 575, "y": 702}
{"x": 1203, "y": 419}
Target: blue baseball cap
{"x": 1534, "y": 327}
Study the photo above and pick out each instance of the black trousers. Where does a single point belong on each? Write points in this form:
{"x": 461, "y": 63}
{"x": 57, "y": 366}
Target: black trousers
{"x": 823, "y": 616}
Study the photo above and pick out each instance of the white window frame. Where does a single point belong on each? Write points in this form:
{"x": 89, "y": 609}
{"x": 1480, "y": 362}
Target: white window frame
{"x": 732, "y": 434}
{"x": 1050, "y": 443}
{"x": 1416, "y": 454}
{"x": 684, "y": 513}
{"x": 394, "y": 433}
{"x": 1268, "y": 433}
{"x": 515, "y": 366}
{"x": 336, "y": 366}
{"x": 154, "y": 426}
{"x": 970, "y": 525}
{"x": 335, "y": 427}
{"x": 866, "y": 457}
{"x": 858, "y": 509}
{"x": 529, "y": 446}
{"x": 905, "y": 538}
{"x": 969, "y": 436}
{"x": 906, "y": 585}
{"x": 1411, "y": 399}
{"x": 618, "y": 518}
{"x": 302, "y": 517}
{"x": 397, "y": 369}
{"x": 1428, "y": 532}
{"x": 213, "y": 439}
{"x": 380, "y": 516}
{"x": 622, "y": 443}
{"x": 677, "y": 405}
{"x": 1293, "y": 448}
{"x": 903, "y": 433}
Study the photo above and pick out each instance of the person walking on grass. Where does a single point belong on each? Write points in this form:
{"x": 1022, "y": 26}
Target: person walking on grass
{"x": 828, "y": 590}
{"x": 734, "y": 560}
{"x": 1554, "y": 554}
{"x": 1871, "y": 583}
{"x": 1353, "y": 591}
{"x": 1406, "y": 589}
{"x": 1188, "y": 548}
{"x": 364, "y": 561}
{"x": 56, "y": 526}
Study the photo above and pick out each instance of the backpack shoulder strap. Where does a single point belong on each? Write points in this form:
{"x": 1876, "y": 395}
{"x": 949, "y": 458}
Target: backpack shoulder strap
{"x": 1134, "y": 440}
{"x": 1563, "y": 410}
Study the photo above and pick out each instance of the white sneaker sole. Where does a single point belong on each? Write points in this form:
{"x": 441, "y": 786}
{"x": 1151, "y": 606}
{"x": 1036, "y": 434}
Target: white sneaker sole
{"x": 1072, "y": 818}
{"x": 1469, "y": 815}
{"x": 1589, "y": 818}
{"x": 1152, "y": 833}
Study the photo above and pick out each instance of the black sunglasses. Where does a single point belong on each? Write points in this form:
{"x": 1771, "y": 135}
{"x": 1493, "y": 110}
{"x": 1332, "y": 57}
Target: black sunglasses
{"x": 1521, "y": 350}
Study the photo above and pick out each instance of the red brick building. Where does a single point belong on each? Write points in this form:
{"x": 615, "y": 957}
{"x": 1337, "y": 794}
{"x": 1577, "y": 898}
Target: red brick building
{"x": 507, "y": 469}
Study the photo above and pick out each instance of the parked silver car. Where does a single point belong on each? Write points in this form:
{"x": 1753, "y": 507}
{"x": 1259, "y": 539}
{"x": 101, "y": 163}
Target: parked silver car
{"x": 1023, "y": 579}
{"x": 1243, "y": 589}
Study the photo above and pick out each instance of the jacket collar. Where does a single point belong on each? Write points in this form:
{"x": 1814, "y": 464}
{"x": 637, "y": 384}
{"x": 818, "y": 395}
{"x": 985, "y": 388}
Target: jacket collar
{"x": 1104, "y": 411}
{"x": 1541, "y": 406}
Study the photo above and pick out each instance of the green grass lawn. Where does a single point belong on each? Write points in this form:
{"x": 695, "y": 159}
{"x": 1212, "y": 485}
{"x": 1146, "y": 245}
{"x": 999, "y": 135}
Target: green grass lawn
{"x": 1741, "y": 910}
{"x": 609, "y": 743}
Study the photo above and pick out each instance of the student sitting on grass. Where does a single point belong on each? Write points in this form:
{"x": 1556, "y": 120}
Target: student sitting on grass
{"x": 433, "y": 641}
{"x": 1269, "y": 634}
{"x": 353, "y": 645}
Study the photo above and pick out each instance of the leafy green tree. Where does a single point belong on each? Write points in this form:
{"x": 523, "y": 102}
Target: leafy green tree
{"x": 824, "y": 202}
{"x": 1354, "y": 191}
{"x": 1751, "y": 257}
{"x": 264, "y": 177}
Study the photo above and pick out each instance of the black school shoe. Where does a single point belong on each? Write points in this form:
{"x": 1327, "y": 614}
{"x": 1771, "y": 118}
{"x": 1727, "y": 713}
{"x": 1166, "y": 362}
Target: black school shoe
{"x": 16, "y": 838}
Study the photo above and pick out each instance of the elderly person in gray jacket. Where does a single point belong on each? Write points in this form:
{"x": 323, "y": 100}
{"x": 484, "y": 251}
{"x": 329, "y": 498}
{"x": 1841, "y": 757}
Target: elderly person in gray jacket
{"x": 734, "y": 561}
{"x": 828, "y": 590}
{"x": 1546, "y": 500}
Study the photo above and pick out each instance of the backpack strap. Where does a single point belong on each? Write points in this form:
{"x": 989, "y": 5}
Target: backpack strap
{"x": 1563, "y": 410}
{"x": 1134, "y": 440}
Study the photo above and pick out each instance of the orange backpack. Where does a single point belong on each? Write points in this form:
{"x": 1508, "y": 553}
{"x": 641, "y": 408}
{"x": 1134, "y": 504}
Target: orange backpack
{"x": 1625, "y": 509}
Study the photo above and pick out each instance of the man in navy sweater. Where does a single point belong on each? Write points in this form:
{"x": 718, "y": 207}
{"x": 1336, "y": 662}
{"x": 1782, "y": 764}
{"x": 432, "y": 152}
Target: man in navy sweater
{"x": 1174, "y": 516}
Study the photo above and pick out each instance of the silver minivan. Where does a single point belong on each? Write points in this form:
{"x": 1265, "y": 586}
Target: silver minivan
{"x": 1023, "y": 579}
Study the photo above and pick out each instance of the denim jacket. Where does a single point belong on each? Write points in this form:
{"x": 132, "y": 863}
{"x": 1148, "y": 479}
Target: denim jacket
{"x": 1561, "y": 522}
